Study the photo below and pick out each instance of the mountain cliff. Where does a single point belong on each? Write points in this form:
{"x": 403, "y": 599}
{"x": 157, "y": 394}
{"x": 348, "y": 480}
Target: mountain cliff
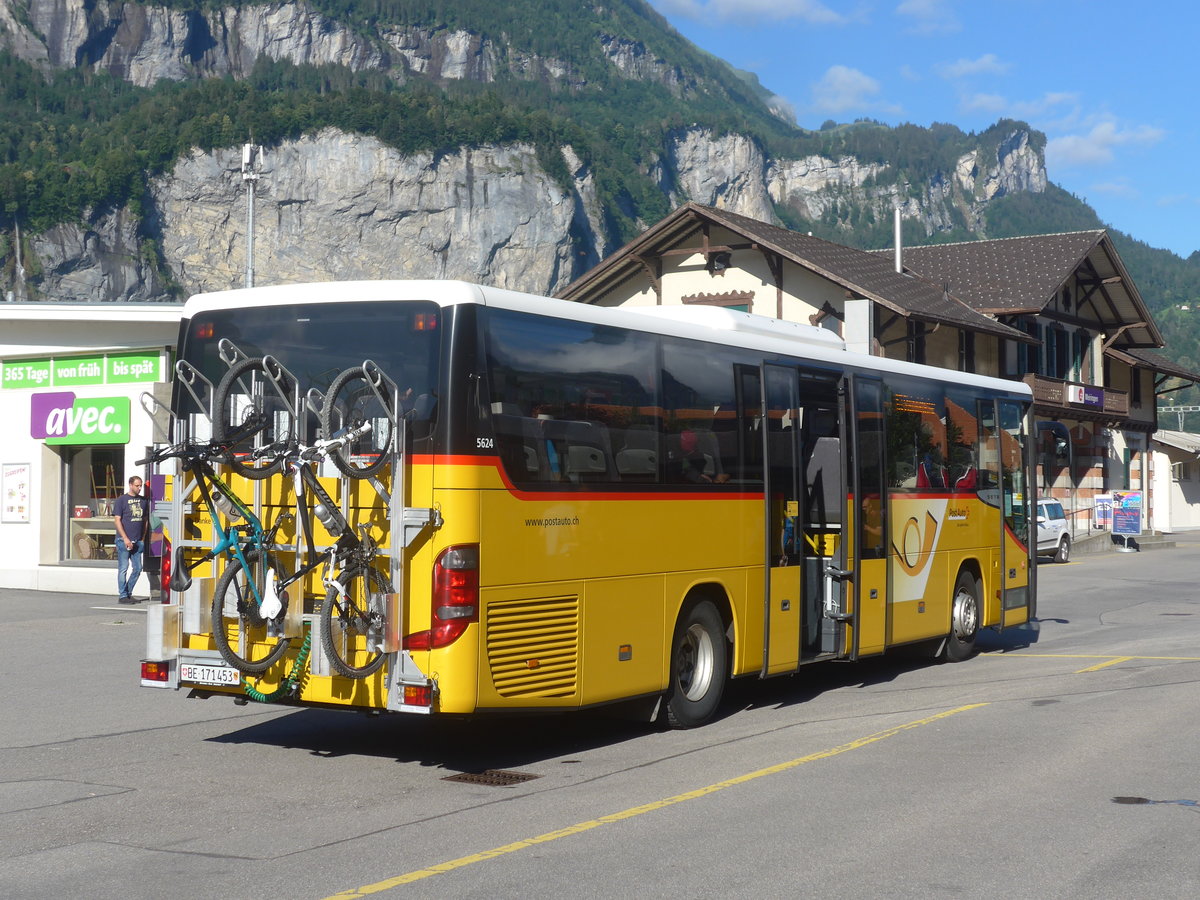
{"x": 513, "y": 146}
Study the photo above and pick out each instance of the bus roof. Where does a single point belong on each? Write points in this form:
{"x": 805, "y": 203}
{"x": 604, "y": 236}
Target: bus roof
{"x": 713, "y": 324}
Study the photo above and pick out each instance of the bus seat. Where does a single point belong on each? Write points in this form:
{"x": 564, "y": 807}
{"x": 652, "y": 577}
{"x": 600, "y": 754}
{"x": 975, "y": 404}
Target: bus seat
{"x": 637, "y": 461}
{"x": 706, "y": 443}
{"x": 822, "y": 477}
{"x": 584, "y": 448}
{"x": 585, "y": 460}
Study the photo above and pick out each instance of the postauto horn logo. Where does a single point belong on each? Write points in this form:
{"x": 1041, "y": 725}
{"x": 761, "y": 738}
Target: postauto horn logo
{"x": 63, "y": 418}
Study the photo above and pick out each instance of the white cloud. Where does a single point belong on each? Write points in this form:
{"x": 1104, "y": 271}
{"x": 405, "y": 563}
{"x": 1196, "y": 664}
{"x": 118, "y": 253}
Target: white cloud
{"x": 810, "y": 11}
{"x": 988, "y": 103}
{"x": 988, "y": 64}
{"x": 783, "y": 107}
{"x": 842, "y": 88}
{"x": 1119, "y": 188}
{"x": 1176, "y": 200}
{"x": 1029, "y": 110}
{"x": 1099, "y": 145}
{"x": 929, "y": 17}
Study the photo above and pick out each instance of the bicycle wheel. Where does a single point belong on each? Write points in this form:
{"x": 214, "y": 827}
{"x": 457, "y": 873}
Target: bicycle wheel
{"x": 350, "y": 404}
{"x": 242, "y": 635}
{"x": 352, "y": 622}
{"x": 249, "y": 413}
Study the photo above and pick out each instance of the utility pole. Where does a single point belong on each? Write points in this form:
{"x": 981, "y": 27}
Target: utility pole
{"x": 251, "y": 165}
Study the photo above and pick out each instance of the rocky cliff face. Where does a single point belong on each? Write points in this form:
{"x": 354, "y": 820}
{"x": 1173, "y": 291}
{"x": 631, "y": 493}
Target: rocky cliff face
{"x": 731, "y": 172}
{"x": 337, "y": 205}
{"x": 342, "y": 206}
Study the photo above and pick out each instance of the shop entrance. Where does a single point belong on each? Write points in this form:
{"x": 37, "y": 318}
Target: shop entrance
{"x": 93, "y": 479}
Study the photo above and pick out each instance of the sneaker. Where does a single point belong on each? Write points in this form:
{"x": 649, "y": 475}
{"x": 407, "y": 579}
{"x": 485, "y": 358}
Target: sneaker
{"x": 126, "y": 600}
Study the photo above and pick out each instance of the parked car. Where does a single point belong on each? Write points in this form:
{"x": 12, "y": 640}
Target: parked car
{"x": 1053, "y": 532}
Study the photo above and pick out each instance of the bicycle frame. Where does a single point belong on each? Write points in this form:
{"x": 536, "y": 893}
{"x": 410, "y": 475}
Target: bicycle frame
{"x": 306, "y": 485}
{"x": 228, "y": 542}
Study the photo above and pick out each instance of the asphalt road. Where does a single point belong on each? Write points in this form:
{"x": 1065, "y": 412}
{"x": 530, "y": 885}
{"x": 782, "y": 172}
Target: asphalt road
{"x": 1060, "y": 762}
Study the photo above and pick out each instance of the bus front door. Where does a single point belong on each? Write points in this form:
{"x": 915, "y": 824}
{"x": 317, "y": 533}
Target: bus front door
{"x": 804, "y": 510}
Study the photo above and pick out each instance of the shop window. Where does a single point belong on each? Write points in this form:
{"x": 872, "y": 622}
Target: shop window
{"x": 93, "y": 480}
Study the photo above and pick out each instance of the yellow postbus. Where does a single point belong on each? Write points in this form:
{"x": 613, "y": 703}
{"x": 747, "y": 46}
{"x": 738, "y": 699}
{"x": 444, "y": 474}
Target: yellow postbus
{"x": 596, "y": 505}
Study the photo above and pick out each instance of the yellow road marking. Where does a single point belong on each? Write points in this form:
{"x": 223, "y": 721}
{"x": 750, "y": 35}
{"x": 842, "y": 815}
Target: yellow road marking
{"x": 581, "y": 827}
{"x": 1099, "y": 666}
{"x": 1089, "y": 656}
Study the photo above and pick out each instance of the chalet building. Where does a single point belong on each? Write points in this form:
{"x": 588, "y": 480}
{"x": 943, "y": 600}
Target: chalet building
{"x": 1056, "y": 311}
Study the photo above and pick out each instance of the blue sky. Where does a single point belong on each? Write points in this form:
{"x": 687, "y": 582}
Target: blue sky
{"x": 1113, "y": 85}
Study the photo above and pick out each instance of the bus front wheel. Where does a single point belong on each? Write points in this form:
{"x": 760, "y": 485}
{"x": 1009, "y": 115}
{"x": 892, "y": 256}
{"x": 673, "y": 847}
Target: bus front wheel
{"x": 964, "y": 619}
{"x": 699, "y": 666}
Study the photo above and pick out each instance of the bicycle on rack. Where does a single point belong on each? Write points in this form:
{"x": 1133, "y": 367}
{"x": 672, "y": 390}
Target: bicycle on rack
{"x": 248, "y": 608}
{"x": 352, "y": 615}
{"x": 254, "y": 390}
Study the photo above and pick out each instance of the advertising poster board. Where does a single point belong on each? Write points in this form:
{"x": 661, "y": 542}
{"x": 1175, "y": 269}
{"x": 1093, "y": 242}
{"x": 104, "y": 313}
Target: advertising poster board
{"x": 15, "y": 492}
{"x": 1104, "y": 508}
{"x": 1127, "y": 512}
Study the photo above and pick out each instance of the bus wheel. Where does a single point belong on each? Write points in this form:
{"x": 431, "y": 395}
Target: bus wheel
{"x": 699, "y": 666}
{"x": 964, "y": 619}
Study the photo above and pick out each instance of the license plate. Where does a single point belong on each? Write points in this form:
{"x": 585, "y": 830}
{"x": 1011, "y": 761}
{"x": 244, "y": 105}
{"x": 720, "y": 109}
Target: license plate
{"x": 209, "y": 674}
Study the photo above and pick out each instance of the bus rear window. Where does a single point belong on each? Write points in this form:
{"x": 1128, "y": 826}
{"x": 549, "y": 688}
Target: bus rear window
{"x": 317, "y": 341}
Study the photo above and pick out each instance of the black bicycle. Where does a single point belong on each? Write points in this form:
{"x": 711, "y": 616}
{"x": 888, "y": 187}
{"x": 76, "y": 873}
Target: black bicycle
{"x": 353, "y": 615}
{"x": 256, "y": 406}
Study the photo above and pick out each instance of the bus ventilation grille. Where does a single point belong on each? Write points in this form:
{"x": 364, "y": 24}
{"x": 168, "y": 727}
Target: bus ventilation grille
{"x": 492, "y": 777}
{"x": 533, "y": 647}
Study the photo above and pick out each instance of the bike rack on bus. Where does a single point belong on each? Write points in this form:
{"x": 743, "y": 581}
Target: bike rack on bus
{"x": 407, "y": 524}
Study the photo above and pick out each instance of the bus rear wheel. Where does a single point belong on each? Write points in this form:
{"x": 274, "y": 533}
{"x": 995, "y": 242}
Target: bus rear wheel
{"x": 964, "y": 619}
{"x": 699, "y": 667}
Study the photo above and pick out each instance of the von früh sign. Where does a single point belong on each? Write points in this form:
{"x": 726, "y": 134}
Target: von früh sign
{"x": 83, "y": 371}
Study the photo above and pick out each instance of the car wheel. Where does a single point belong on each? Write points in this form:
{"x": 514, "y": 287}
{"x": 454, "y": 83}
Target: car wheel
{"x": 1064, "y": 550}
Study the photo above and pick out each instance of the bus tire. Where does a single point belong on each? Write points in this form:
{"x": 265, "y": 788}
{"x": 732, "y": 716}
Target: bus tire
{"x": 964, "y": 619}
{"x": 699, "y": 666}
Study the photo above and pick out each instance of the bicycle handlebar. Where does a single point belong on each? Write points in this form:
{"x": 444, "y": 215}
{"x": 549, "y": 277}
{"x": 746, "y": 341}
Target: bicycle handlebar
{"x": 308, "y": 453}
{"x": 211, "y": 449}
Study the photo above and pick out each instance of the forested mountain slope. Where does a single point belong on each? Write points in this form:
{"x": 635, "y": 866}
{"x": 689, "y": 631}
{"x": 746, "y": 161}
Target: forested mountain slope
{"x": 512, "y": 143}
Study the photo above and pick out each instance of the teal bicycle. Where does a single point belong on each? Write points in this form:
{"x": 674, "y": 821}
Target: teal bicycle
{"x": 248, "y": 609}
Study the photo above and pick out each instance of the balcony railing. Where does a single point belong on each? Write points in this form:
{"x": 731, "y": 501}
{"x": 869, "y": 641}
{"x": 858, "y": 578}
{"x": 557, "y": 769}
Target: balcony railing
{"x": 1080, "y": 398}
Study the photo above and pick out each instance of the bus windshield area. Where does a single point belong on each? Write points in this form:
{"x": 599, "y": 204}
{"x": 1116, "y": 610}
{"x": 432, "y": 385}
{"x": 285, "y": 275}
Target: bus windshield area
{"x": 317, "y": 341}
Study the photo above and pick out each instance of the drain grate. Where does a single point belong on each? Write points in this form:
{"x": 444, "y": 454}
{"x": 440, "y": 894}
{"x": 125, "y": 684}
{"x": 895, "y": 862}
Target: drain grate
{"x": 492, "y": 777}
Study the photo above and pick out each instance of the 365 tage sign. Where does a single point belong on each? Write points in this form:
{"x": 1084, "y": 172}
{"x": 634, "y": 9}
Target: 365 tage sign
{"x": 83, "y": 371}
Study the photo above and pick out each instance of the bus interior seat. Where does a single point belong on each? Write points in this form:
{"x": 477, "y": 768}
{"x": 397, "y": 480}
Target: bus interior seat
{"x": 637, "y": 460}
{"x": 583, "y": 448}
{"x": 822, "y": 478}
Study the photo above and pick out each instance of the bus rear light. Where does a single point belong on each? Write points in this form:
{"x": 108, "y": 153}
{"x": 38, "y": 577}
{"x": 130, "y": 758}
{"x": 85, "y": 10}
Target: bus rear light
{"x": 455, "y": 593}
{"x": 455, "y": 598}
{"x": 418, "y": 695}
{"x": 155, "y": 670}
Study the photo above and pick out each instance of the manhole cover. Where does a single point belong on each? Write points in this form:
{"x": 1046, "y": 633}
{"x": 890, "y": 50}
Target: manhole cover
{"x": 492, "y": 777}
